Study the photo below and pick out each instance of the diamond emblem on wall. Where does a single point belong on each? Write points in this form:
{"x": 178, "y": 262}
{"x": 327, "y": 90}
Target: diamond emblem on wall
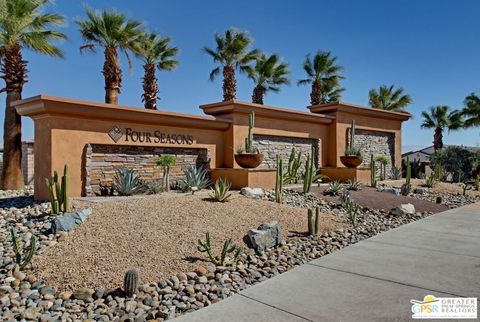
{"x": 115, "y": 133}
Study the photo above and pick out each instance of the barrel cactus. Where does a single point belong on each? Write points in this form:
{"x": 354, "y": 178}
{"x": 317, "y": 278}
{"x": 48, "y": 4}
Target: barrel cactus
{"x": 130, "y": 282}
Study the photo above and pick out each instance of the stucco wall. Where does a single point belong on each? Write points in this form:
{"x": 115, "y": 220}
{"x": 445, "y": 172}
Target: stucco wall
{"x": 102, "y": 160}
{"x": 271, "y": 146}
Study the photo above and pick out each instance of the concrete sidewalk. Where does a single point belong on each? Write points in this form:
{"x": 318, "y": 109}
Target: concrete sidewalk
{"x": 373, "y": 280}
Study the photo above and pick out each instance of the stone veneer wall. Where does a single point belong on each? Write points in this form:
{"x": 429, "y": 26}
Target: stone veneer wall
{"x": 376, "y": 143}
{"x": 27, "y": 162}
{"x": 271, "y": 146}
{"x": 102, "y": 160}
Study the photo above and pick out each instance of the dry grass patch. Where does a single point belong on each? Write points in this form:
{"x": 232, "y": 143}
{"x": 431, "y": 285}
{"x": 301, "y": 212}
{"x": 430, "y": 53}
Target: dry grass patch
{"x": 158, "y": 236}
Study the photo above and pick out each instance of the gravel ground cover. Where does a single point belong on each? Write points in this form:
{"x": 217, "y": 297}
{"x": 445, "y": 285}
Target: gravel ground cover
{"x": 451, "y": 193}
{"x": 25, "y": 295}
{"x": 158, "y": 236}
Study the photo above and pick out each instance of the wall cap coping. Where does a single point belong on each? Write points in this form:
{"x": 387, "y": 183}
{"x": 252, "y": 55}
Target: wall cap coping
{"x": 334, "y": 107}
{"x": 44, "y": 105}
{"x": 236, "y": 106}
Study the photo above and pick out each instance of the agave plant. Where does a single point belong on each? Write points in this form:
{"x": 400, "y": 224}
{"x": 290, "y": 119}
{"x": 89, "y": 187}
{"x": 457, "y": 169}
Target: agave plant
{"x": 334, "y": 188}
{"x": 153, "y": 187}
{"x": 221, "y": 192}
{"x": 127, "y": 182}
{"x": 195, "y": 179}
{"x": 396, "y": 173}
{"x": 354, "y": 185}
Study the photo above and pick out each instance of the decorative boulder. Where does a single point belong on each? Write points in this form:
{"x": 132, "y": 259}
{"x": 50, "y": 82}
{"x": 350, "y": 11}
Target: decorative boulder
{"x": 252, "y": 192}
{"x": 403, "y": 209}
{"x": 394, "y": 191}
{"x": 267, "y": 235}
{"x": 70, "y": 220}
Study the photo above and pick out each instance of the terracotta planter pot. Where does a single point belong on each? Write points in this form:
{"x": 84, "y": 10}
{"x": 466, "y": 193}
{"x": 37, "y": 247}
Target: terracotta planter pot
{"x": 249, "y": 160}
{"x": 351, "y": 161}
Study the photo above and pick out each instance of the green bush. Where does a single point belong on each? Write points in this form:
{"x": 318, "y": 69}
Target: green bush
{"x": 456, "y": 160}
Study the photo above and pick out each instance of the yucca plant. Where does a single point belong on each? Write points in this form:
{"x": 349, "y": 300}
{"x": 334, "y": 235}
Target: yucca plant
{"x": 354, "y": 184}
{"x": 22, "y": 257}
{"x": 166, "y": 162}
{"x": 127, "y": 182}
{"x": 334, "y": 188}
{"x": 383, "y": 160}
{"x": 195, "y": 179}
{"x": 221, "y": 193}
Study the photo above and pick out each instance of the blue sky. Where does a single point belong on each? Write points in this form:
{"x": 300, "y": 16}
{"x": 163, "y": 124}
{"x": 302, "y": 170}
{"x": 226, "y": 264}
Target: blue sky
{"x": 430, "y": 48}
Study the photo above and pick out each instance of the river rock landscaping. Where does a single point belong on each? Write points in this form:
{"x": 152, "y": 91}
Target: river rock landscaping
{"x": 77, "y": 275}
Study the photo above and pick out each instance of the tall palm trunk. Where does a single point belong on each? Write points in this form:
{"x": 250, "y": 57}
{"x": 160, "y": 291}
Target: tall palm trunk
{"x": 315, "y": 95}
{"x": 438, "y": 138}
{"x": 258, "y": 93}
{"x": 229, "y": 83}
{"x": 14, "y": 70}
{"x": 150, "y": 87}
{"x": 113, "y": 75}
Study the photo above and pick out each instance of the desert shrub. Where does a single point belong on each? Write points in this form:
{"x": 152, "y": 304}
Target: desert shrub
{"x": 221, "y": 191}
{"x": 195, "y": 179}
{"x": 127, "y": 182}
{"x": 456, "y": 160}
{"x": 334, "y": 188}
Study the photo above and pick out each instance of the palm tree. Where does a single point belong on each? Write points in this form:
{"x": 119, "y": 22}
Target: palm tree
{"x": 324, "y": 75}
{"x": 23, "y": 25}
{"x": 472, "y": 110}
{"x": 112, "y": 31}
{"x": 389, "y": 98}
{"x": 232, "y": 52}
{"x": 156, "y": 53}
{"x": 440, "y": 118}
{"x": 268, "y": 73}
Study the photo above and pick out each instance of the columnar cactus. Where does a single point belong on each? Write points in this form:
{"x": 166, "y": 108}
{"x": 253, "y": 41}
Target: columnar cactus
{"x": 249, "y": 139}
{"x": 309, "y": 174}
{"x": 408, "y": 173}
{"x": 58, "y": 192}
{"x": 130, "y": 282}
{"x": 279, "y": 181}
{"x": 373, "y": 172}
{"x": 313, "y": 222}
